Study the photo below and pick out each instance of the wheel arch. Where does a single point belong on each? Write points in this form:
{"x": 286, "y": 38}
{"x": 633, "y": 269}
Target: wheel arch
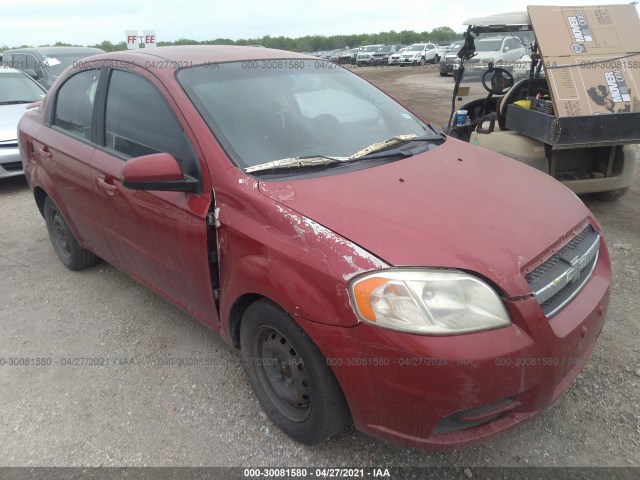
{"x": 40, "y": 196}
{"x": 236, "y": 313}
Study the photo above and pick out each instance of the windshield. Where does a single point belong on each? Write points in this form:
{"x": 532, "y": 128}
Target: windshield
{"x": 16, "y": 87}
{"x": 455, "y": 48}
{"x": 385, "y": 49}
{"x": 372, "y": 48}
{"x": 415, "y": 48}
{"x": 293, "y": 108}
{"x": 59, "y": 61}
{"x": 489, "y": 45}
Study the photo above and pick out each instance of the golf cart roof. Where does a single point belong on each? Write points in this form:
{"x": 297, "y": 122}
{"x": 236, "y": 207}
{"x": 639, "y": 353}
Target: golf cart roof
{"x": 500, "y": 19}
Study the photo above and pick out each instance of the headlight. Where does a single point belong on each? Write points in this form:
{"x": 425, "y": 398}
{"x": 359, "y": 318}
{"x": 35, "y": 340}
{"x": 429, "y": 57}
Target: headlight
{"x": 427, "y": 301}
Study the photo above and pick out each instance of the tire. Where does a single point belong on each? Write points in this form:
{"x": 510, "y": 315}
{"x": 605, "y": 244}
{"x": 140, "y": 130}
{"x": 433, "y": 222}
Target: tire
{"x": 70, "y": 253}
{"x": 289, "y": 375}
{"x": 443, "y": 74}
{"x": 422, "y": 61}
{"x": 611, "y": 195}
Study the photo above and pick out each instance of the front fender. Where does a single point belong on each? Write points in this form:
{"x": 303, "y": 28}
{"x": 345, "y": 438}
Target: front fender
{"x": 269, "y": 250}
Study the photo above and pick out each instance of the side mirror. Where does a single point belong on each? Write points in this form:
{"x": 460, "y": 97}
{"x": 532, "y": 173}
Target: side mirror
{"x": 159, "y": 172}
{"x": 32, "y": 73}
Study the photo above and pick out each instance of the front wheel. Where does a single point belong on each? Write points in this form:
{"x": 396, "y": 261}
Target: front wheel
{"x": 422, "y": 62}
{"x": 289, "y": 375}
{"x": 69, "y": 251}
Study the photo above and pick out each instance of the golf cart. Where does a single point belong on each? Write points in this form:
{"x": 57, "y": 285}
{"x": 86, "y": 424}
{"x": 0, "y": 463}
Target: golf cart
{"x": 576, "y": 116}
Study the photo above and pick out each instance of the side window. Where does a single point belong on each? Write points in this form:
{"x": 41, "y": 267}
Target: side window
{"x": 30, "y": 62}
{"x": 74, "y": 103}
{"x": 138, "y": 121}
{"x": 18, "y": 61}
{"x": 33, "y": 64}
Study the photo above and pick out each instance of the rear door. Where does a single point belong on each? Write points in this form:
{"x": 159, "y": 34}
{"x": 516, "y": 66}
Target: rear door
{"x": 160, "y": 237}
{"x": 64, "y": 150}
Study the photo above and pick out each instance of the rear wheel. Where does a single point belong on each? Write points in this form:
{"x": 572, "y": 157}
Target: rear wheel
{"x": 70, "y": 253}
{"x": 290, "y": 376}
{"x": 443, "y": 74}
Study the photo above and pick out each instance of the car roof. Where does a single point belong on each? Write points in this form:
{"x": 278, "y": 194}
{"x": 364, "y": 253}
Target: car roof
{"x": 188, "y": 55}
{"x": 54, "y": 50}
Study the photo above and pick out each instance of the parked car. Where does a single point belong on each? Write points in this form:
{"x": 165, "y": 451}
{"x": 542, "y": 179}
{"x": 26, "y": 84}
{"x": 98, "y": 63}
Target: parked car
{"x": 501, "y": 51}
{"x": 394, "y": 59}
{"x": 333, "y": 55}
{"x": 443, "y": 48}
{"x": 17, "y": 90}
{"x": 521, "y": 68}
{"x": 447, "y": 62}
{"x": 419, "y": 54}
{"x": 365, "y": 55}
{"x": 365, "y": 264}
{"x": 381, "y": 56}
{"x": 348, "y": 57}
{"x": 45, "y": 64}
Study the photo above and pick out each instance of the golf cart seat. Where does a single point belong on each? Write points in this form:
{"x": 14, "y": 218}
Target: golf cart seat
{"x": 519, "y": 91}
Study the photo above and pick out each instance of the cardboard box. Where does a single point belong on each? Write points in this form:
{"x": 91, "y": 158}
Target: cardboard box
{"x": 591, "y": 57}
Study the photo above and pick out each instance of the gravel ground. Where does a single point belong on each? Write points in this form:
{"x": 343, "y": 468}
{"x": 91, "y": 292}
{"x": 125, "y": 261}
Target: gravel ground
{"x": 134, "y": 412}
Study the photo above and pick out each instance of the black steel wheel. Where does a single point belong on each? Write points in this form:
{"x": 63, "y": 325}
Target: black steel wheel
{"x": 70, "y": 253}
{"x": 290, "y": 377}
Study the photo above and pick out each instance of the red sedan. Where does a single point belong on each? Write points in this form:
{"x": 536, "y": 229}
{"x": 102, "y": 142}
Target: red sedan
{"x": 365, "y": 265}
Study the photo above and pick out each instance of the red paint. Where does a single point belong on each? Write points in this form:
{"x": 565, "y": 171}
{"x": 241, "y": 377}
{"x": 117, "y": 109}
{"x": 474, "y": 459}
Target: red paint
{"x": 298, "y": 242}
{"x": 157, "y": 167}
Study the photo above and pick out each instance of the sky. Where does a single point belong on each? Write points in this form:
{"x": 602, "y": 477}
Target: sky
{"x": 87, "y": 22}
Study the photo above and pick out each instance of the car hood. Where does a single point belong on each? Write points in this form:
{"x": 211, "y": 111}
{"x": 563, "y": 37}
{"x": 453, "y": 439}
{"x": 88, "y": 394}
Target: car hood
{"x": 455, "y": 206}
{"x": 486, "y": 55}
{"x": 10, "y": 115}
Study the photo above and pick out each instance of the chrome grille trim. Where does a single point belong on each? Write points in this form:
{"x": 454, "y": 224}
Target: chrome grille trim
{"x": 559, "y": 279}
{"x": 577, "y": 289}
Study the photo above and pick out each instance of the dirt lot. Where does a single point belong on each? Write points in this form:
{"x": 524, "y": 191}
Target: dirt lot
{"x": 138, "y": 411}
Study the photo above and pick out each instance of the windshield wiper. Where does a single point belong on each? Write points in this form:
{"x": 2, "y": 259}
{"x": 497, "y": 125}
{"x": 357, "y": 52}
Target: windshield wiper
{"x": 369, "y": 151}
{"x": 17, "y": 102}
{"x": 372, "y": 151}
{"x": 296, "y": 162}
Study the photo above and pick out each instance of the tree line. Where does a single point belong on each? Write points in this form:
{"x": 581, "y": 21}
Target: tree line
{"x": 308, "y": 43}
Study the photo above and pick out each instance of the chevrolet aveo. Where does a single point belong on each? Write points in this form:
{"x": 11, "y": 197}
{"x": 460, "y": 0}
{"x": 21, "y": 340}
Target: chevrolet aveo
{"x": 366, "y": 266}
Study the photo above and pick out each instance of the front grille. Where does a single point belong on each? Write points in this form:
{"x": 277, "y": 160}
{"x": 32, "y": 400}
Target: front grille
{"x": 559, "y": 278}
{"x": 12, "y": 166}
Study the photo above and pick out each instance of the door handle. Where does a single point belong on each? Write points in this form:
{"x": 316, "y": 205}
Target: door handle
{"x": 107, "y": 187}
{"x": 44, "y": 152}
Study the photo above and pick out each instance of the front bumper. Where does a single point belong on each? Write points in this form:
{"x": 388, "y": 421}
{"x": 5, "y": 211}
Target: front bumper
{"x": 446, "y": 67}
{"x": 10, "y": 161}
{"x": 365, "y": 61}
{"x": 443, "y": 392}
